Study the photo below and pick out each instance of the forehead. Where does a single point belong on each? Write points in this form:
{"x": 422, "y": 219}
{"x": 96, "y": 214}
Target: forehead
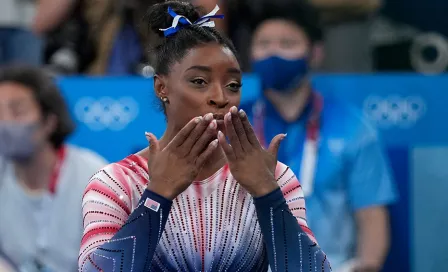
{"x": 14, "y": 91}
{"x": 279, "y": 28}
{"x": 214, "y": 56}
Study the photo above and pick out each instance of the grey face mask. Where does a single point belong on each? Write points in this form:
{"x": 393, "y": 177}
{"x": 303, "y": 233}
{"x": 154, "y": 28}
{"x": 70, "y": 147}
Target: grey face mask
{"x": 16, "y": 140}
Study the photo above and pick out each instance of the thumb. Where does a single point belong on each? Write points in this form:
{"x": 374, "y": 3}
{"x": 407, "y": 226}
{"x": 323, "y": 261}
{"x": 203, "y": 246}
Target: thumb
{"x": 275, "y": 144}
{"x": 153, "y": 143}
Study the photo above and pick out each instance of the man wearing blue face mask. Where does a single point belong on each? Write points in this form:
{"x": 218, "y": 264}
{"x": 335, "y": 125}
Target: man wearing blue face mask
{"x": 332, "y": 149}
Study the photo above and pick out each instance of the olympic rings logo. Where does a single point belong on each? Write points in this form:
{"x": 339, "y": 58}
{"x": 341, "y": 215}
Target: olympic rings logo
{"x": 394, "y": 111}
{"x": 106, "y": 112}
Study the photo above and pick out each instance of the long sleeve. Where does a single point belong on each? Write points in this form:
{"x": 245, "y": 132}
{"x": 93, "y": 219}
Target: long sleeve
{"x": 116, "y": 239}
{"x": 290, "y": 244}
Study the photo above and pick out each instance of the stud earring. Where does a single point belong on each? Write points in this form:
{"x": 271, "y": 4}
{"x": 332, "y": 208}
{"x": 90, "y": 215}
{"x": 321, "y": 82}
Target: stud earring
{"x": 164, "y": 99}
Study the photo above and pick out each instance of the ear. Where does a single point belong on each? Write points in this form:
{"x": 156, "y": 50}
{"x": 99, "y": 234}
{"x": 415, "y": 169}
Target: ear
{"x": 50, "y": 124}
{"x": 317, "y": 55}
{"x": 160, "y": 86}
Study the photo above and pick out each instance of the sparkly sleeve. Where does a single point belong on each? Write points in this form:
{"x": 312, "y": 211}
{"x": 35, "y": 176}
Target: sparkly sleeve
{"x": 116, "y": 238}
{"x": 281, "y": 214}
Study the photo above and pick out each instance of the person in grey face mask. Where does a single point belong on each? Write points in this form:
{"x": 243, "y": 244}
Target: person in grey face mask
{"x": 41, "y": 178}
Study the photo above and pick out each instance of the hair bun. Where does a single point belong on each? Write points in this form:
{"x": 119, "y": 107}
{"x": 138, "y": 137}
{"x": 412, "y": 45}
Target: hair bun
{"x": 158, "y": 17}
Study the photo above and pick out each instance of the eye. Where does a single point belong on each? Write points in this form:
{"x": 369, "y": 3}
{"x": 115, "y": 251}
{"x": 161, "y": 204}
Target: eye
{"x": 198, "y": 81}
{"x": 287, "y": 44}
{"x": 235, "y": 86}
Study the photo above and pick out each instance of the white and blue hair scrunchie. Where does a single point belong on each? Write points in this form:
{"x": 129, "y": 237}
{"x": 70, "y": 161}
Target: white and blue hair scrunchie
{"x": 180, "y": 21}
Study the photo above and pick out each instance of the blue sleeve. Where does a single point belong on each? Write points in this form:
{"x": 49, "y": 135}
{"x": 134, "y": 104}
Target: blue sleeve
{"x": 288, "y": 245}
{"x": 133, "y": 246}
{"x": 369, "y": 180}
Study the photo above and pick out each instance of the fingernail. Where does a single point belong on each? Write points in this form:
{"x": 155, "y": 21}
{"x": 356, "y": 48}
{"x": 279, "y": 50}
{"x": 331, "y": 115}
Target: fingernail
{"x": 147, "y": 136}
{"x": 233, "y": 110}
{"x": 242, "y": 113}
{"x": 208, "y": 117}
{"x": 214, "y": 143}
{"x": 284, "y": 136}
{"x": 219, "y": 133}
{"x": 228, "y": 116}
{"x": 198, "y": 119}
{"x": 213, "y": 124}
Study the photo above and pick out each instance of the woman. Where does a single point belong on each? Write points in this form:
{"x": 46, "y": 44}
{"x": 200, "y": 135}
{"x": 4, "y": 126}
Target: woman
{"x": 41, "y": 178}
{"x": 191, "y": 201}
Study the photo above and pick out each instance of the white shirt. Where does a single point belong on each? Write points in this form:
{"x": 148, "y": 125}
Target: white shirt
{"x": 47, "y": 227}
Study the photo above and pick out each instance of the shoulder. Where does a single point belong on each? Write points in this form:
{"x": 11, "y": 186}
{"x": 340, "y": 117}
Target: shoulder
{"x": 281, "y": 170}
{"x": 285, "y": 177}
{"x": 126, "y": 175}
{"x": 86, "y": 158}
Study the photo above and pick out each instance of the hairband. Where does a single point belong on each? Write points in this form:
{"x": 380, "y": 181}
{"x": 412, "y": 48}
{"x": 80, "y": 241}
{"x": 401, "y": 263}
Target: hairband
{"x": 180, "y": 21}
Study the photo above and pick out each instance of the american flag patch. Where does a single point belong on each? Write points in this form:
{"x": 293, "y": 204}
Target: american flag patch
{"x": 151, "y": 204}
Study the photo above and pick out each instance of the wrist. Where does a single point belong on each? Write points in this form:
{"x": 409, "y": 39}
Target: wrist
{"x": 163, "y": 191}
{"x": 264, "y": 189}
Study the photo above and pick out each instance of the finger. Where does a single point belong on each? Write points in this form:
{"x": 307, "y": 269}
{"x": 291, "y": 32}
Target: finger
{"x": 154, "y": 146}
{"x": 233, "y": 137}
{"x": 204, "y": 139}
{"x": 183, "y": 134}
{"x": 275, "y": 144}
{"x": 197, "y": 132}
{"x": 250, "y": 133}
{"x": 206, "y": 154}
{"x": 226, "y": 147}
{"x": 239, "y": 129}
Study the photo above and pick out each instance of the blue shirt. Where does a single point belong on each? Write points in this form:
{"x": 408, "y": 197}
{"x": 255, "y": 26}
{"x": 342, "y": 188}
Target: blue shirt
{"x": 352, "y": 172}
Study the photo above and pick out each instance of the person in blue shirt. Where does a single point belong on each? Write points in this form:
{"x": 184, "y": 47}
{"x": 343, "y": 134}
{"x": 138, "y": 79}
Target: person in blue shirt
{"x": 330, "y": 146}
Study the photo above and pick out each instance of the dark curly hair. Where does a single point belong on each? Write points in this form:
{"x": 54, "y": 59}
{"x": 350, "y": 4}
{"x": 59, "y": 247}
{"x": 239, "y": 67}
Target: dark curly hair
{"x": 46, "y": 94}
{"x": 169, "y": 50}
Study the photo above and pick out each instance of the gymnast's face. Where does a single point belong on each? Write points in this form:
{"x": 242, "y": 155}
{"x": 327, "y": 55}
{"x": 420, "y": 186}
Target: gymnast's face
{"x": 207, "y": 80}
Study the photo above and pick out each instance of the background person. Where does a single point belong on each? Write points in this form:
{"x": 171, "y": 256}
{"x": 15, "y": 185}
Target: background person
{"x": 332, "y": 148}
{"x": 23, "y": 25}
{"x": 41, "y": 178}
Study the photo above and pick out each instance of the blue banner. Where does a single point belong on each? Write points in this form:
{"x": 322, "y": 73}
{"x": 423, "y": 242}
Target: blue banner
{"x": 409, "y": 110}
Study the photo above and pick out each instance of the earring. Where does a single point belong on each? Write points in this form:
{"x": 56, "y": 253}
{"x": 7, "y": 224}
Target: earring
{"x": 164, "y": 99}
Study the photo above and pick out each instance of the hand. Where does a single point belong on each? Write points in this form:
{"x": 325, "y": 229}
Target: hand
{"x": 251, "y": 165}
{"x": 174, "y": 168}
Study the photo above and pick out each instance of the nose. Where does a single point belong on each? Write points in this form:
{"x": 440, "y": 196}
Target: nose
{"x": 218, "y": 97}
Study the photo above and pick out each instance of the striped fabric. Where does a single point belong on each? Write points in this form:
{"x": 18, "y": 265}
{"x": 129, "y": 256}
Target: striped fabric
{"x": 212, "y": 226}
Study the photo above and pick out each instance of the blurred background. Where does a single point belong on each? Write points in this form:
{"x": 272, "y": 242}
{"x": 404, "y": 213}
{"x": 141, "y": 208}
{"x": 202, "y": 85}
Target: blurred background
{"x": 386, "y": 57}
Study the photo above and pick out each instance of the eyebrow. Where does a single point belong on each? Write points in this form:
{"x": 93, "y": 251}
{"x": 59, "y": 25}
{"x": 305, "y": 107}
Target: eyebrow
{"x": 209, "y": 70}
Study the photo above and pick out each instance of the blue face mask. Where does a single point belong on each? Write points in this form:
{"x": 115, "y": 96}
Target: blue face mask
{"x": 280, "y": 74}
{"x": 16, "y": 140}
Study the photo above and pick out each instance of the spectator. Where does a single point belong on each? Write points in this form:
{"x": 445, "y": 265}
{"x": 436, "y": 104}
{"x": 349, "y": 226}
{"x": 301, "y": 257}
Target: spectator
{"x": 21, "y": 25}
{"x": 41, "y": 178}
{"x": 115, "y": 26}
{"x": 336, "y": 154}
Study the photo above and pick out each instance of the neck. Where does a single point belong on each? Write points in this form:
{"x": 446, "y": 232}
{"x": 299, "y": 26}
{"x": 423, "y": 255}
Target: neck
{"x": 35, "y": 173}
{"x": 216, "y": 160}
{"x": 290, "y": 106}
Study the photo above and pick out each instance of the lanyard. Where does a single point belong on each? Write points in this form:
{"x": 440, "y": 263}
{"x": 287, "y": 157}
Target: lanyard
{"x": 57, "y": 170}
{"x": 309, "y": 157}
{"x": 46, "y": 215}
